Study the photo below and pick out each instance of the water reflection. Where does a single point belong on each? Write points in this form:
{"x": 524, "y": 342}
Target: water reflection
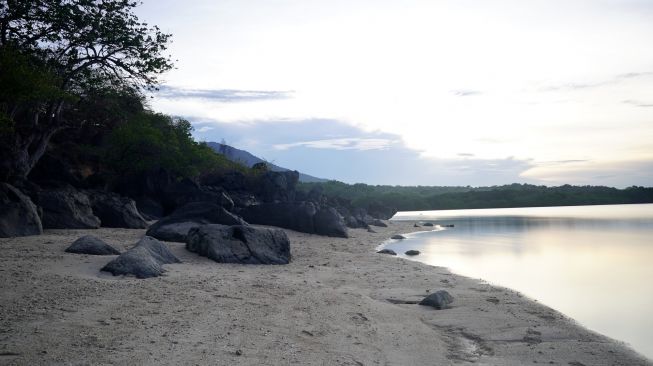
{"x": 592, "y": 263}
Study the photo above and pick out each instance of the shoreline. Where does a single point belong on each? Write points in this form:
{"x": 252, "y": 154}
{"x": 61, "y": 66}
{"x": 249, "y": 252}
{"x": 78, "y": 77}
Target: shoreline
{"x": 336, "y": 303}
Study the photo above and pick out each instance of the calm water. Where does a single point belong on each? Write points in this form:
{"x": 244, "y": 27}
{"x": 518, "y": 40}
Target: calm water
{"x": 592, "y": 263}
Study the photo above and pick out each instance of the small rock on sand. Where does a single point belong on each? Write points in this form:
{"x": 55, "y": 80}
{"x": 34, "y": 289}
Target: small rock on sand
{"x": 412, "y": 252}
{"x": 387, "y": 251}
{"x": 439, "y": 300}
{"x": 92, "y": 245}
{"x": 145, "y": 260}
{"x": 398, "y": 237}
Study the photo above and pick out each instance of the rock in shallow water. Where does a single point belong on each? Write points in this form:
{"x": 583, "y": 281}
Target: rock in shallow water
{"x": 412, "y": 252}
{"x": 439, "y": 300}
{"x": 92, "y": 245}
{"x": 240, "y": 244}
{"x": 145, "y": 260}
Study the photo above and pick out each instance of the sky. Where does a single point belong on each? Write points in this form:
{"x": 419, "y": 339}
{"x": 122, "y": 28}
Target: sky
{"x": 416, "y": 92}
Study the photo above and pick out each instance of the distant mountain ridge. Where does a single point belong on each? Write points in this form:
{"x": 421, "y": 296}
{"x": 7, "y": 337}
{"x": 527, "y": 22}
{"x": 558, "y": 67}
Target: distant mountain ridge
{"x": 247, "y": 158}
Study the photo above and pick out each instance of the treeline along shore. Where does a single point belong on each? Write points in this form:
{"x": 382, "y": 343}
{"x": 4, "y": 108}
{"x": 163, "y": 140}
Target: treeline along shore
{"x": 422, "y": 198}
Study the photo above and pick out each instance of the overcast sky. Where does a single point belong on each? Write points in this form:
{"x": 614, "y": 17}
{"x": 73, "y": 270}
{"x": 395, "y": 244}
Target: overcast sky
{"x": 432, "y": 92}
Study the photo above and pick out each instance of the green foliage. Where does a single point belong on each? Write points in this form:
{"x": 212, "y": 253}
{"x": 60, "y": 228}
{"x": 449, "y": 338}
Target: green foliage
{"x": 447, "y": 198}
{"x": 151, "y": 141}
{"x": 25, "y": 79}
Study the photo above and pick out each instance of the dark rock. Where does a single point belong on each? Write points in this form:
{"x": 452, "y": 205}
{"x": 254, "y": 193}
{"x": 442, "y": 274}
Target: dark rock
{"x": 240, "y": 244}
{"x": 243, "y": 199}
{"x": 416, "y": 225}
{"x": 175, "y": 227}
{"x": 149, "y": 208}
{"x": 329, "y": 222}
{"x": 377, "y": 222}
{"x": 278, "y": 186}
{"x": 427, "y": 224}
{"x": 145, "y": 260}
{"x": 439, "y": 300}
{"x": 296, "y": 216}
{"x": 92, "y": 245}
{"x": 176, "y": 231}
{"x": 18, "y": 214}
{"x": 398, "y": 237}
{"x": 412, "y": 252}
{"x": 66, "y": 208}
{"x": 387, "y": 251}
{"x": 305, "y": 217}
{"x": 381, "y": 211}
{"x": 115, "y": 210}
{"x": 449, "y": 225}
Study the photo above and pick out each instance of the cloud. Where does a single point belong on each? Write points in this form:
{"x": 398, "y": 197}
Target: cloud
{"x": 613, "y": 173}
{"x": 204, "y": 129}
{"x": 466, "y": 92}
{"x": 353, "y": 155}
{"x": 341, "y": 144}
{"x": 638, "y": 103}
{"x": 465, "y": 155}
{"x": 222, "y": 95}
{"x": 591, "y": 85}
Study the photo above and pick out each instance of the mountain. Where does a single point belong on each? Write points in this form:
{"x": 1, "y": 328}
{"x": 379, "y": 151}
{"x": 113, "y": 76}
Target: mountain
{"x": 246, "y": 158}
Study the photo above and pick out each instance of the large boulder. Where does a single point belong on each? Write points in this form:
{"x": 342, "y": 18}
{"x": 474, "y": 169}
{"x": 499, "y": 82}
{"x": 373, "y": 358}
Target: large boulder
{"x": 145, "y": 260}
{"x": 175, "y": 226}
{"x": 18, "y": 214}
{"x": 240, "y": 244}
{"x": 66, "y": 208}
{"x": 92, "y": 245}
{"x": 115, "y": 210}
{"x": 296, "y": 216}
{"x": 329, "y": 222}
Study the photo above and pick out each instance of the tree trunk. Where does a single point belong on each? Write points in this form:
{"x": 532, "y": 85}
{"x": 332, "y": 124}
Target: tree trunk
{"x": 19, "y": 155}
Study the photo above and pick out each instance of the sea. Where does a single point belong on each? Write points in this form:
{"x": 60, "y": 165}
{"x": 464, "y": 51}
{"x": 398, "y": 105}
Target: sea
{"x": 592, "y": 263}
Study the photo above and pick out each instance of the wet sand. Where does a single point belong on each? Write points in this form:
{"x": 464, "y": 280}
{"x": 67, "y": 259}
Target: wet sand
{"x": 337, "y": 303}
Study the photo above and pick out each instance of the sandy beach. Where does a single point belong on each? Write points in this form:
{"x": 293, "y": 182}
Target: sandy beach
{"x": 337, "y": 303}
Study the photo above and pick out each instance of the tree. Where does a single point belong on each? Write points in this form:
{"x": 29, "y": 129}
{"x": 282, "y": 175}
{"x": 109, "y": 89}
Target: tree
{"x": 63, "y": 51}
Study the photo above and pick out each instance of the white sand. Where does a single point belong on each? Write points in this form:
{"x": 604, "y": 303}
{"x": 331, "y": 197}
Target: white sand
{"x": 328, "y": 307}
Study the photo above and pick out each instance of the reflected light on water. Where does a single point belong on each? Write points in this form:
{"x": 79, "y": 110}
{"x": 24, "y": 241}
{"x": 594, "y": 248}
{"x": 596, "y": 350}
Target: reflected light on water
{"x": 595, "y": 268}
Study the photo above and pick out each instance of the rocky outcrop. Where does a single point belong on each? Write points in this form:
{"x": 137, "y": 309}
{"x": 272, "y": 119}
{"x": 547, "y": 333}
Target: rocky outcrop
{"x": 145, "y": 260}
{"x": 175, "y": 226}
{"x": 66, "y": 208}
{"x": 278, "y": 186}
{"x": 18, "y": 214}
{"x": 239, "y": 244}
{"x": 439, "y": 300}
{"x": 305, "y": 217}
{"x": 296, "y": 216}
{"x": 92, "y": 245}
{"x": 114, "y": 210}
{"x": 328, "y": 222}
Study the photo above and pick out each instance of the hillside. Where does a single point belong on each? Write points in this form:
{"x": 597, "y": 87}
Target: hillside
{"x": 248, "y": 159}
